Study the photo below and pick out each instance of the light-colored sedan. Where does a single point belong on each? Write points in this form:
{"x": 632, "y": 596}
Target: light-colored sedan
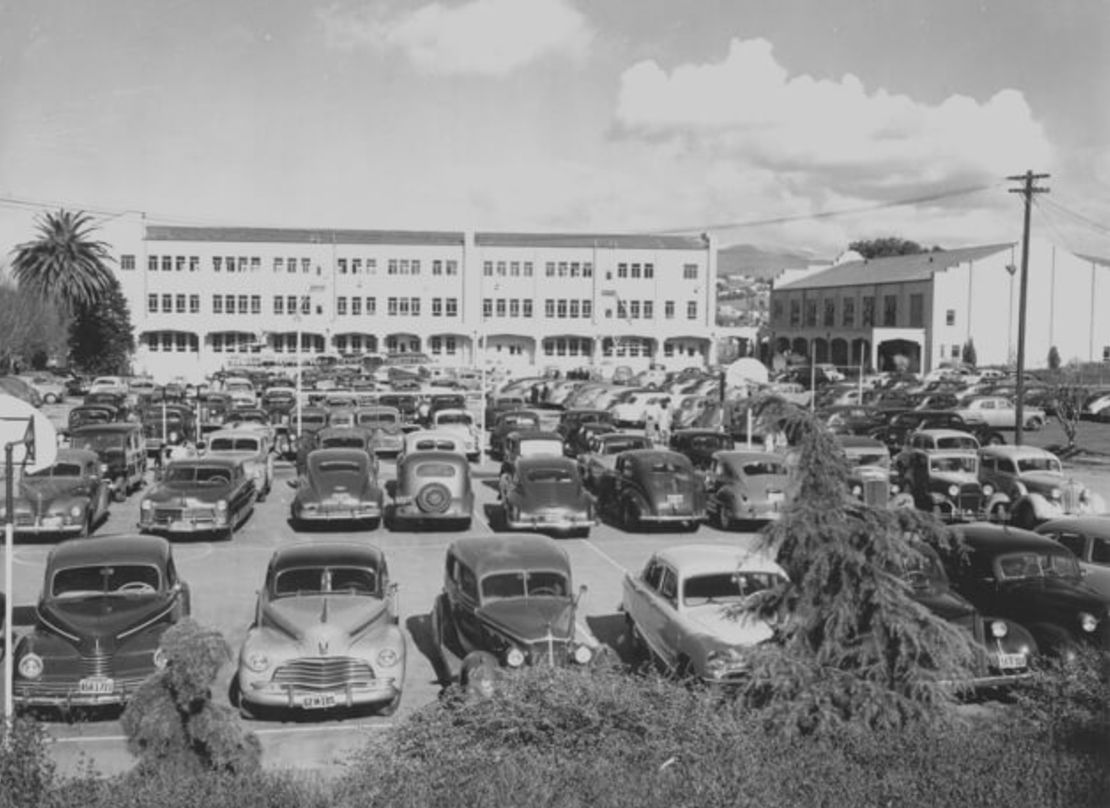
{"x": 677, "y": 608}
{"x": 1000, "y": 412}
{"x": 1028, "y": 486}
{"x": 742, "y": 485}
{"x": 252, "y": 448}
{"x": 1089, "y": 538}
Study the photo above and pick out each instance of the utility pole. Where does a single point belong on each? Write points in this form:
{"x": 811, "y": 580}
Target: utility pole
{"x": 1027, "y": 190}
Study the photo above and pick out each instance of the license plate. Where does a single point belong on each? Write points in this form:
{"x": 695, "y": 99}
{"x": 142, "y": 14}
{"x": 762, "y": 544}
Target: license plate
{"x": 319, "y": 702}
{"x": 96, "y": 685}
{"x": 1012, "y": 661}
{"x": 774, "y": 496}
{"x": 676, "y": 499}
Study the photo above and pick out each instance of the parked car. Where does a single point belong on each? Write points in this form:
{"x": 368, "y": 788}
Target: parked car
{"x": 1029, "y": 486}
{"x": 508, "y": 601}
{"x": 652, "y": 487}
{"x": 898, "y": 430}
{"x": 531, "y": 443}
{"x": 325, "y": 634}
{"x": 433, "y": 488}
{"x": 1031, "y": 579}
{"x": 51, "y": 388}
{"x": 166, "y": 426}
{"x": 386, "y": 424}
{"x": 676, "y": 609}
{"x": 746, "y": 485}
{"x": 852, "y": 419}
{"x": 1088, "y": 537}
{"x": 1000, "y": 412}
{"x": 252, "y": 449}
{"x": 461, "y": 423}
{"x": 103, "y": 608}
{"x": 945, "y": 482}
{"x": 545, "y": 493}
{"x": 278, "y": 401}
{"x": 933, "y": 440}
{"x": 871, "y": 479}
{"x": 198, "y": 495}
{"x": 509, "y": 421}
{"x": 500, "y": 404}
{"x": 700, "y": 445}
{"x": 600, "y": 459}
{"x": 86, "y": 414}
{"x": 338, "y": 485}
{"x": 121, "y": 451}
{"x": 68, "y": 498}
{"x": 631, "y": 411}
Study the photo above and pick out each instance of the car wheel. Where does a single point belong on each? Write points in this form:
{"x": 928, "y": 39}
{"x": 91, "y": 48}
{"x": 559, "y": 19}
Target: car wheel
{"x": 50, "y": 398}
{"x": 434, "y": 498}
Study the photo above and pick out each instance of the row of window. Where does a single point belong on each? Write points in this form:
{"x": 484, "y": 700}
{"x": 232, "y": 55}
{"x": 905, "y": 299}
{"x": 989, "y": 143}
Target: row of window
{"x": 848, "y": 312}
{"x": 167, "y": 341}
{"x": 506, "y": 307}
{"x": 563, "y": 308}
{"x": 173, "y": 304}
{"x": 509, "y": 269}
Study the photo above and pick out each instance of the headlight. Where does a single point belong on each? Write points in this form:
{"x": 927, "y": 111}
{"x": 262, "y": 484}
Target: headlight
{"x": 582, "y": 654}
{"x": 999, "y": 629}
{"x": 146, "y": 505}
{"x": 173, "y": 437}
{"x": 160, "y": 659}
{"x": 856, "y": 490}
{"x": 221, "y": 505}
{"x": 75, "y": 511}
{"x": 716, "y": 664}
{"x": 895, "y": 488}
{"x": 515, "y": 658}
{"x": 30, "y": 667}
{"x": 387, "y": 657}
{"x": 988, "y": 490}
{"x": 1088, "y": 622}
{"x": 257, "y": 661}
{"x": 1054, "y": 493}
{"x": 953, "y": 490}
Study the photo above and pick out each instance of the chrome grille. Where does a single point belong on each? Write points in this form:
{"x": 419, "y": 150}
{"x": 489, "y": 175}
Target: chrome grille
{"x": 544, "y": 652}
{"x": 324, "y": 673}
{"x": 970, "y": 498}
{"x": 167, "y": 514}
{"x": 876, "y": 492}
{"x": 1069, "y": 496}
{"x": 99, "y": 665}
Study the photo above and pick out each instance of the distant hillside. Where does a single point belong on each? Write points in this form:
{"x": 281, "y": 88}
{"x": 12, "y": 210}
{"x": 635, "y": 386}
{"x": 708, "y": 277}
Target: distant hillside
{"x": 744, "y": 259}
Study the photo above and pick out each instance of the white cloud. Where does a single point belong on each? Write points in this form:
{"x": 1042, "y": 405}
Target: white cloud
{"x": 478, "y": 37}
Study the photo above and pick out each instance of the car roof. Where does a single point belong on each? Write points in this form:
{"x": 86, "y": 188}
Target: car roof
{"x": 945, "y": 433}
{"x": 545, "y": 462}
{"x": 1090, "y": 523}
{"x": 110, "y": 549}
{"x": 326, "y": 553}
{"x": 644, "y": 456}
{"x": 76, "y": 456}
{"x": 506, "y": 552}
{"x": 996, "y": 539}
{"x": 701, "y": 559}
{"x": 859, "y": 442}
{"x": 1016, "y": 451}
{"x": 129, "y": 426}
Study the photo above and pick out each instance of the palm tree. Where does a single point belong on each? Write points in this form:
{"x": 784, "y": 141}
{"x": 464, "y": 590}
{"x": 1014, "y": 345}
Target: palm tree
{"x": 64, "y": 265}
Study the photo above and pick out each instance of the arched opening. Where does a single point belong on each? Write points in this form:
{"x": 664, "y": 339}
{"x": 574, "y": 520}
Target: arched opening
{"x": 899, "y": 355}
{"x": 839, "y": 355}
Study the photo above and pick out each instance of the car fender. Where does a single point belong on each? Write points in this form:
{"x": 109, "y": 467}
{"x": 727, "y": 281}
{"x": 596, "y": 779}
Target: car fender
{"x": 998, "y": 498}
{"x": 1043, "y": 507}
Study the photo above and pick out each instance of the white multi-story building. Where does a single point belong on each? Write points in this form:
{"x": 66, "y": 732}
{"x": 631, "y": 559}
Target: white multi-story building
{"x": 203, "y": 296}
{"x": 926, "y": 307}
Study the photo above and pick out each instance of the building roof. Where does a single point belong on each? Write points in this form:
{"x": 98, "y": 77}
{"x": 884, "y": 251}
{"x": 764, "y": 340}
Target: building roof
{"x": 608, "y": 241}
{"x": 892, "y": 269}
{"x": 282, "y": 235}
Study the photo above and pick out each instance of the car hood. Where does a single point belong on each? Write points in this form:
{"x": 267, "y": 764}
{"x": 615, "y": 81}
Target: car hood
{"x": 1043, "y": 480}
{"x": 98, "y": 621}
{"x": 945, "y": 604}
{"x": 1056, "y": 594}
{"x": 182, "y": 493}
{"x": 46, "y": 490}
{"x": 529, "y": 619}
{"x": 331, "y": 619}
{"x": 713, "y": 619}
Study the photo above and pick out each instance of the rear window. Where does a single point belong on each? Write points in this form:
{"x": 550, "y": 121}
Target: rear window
{"x": 378, "y": 418}
{"x": 343, "y": 443}
{"x": 552, "y": 475}
{"x": 436, "y": 470}
{"x": 339, "y": 466}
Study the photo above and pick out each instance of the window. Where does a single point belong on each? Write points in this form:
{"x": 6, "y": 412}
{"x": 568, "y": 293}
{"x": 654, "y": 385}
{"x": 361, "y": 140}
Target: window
{"x": 436, "y": 344}
{"x": 514, "y": 307}
{"x": 867, "y": 316}
{"x": 528, "y": 269}
{"x": 561, "y": 308}
{"x": 243, "y": 304}
{"x": 634, "y": 308}
{"x": 622, "y": 309}
{"x": 527, "y": 307}
{"x": 587, "y": 308}
{"x": 501, "y": 269}
{"x": 279, "y": 264}
{"x": 563, "y": 269}
{"x": 487, "y": 268}
{"x": 830, "y": 311}
{"x": 622, "y": 270}
{"x": 127, "y": 262}
{"x": 437, "y": 267}
{"x": 452, "y": 308}
{"x": 152, "y": 304}
{"x": 917, "y": 311}
{"x": 437, "y": 305}
{"x": 635, "y": 271}
{"x": 279, "y": 304}
{"x": 811, "y": 312}
{"x": 194, "y": 304}
{"x": 256, "y": 263}
{"x": 649, "y": 314}
{"x": 371, "y": 266}
{"x": 689, "y": 272}
{"x": 194, "y": 263}
{"x": 890, "y": 310}
{"x": 587, "y": 270}
{"x": 950, "y": 317}
{"x": 691, "y": 310}
{"x": 371, "y": 305}
{"x": 500, "y": 307}
{"x": 415, "y": 266}
{"x": 668, "y": 309}
{"x": 356, "y": 308}
{"x": 341, "y": 306}
{"x": 573, "y": 309}
{"x": 955, "y": 352}
{"x": 487, "y": 307}
{"x": 549, "y": 269}
{"x": 290, "y": 265}
{"x": 414, "y": 304}
{"x": 452, "y": 267}
{"x": 167, "y": 303}
{"x": 217, "y": 304}
{"x": 342, "y": 262}
{"x": 179, "y": 304}
{"x": 306, "y": 304}
{"x": 795, "y": 312}
{"x": 152, "y": 263}
{"x": 167, "y": 263}
{"x": 514, "y": 269}
{"x": 242, "y": 263}
{"x": 306, "y": 266}
{"x": 848, "y": 312}
{"x": 291, "y": 304}
{"x": 549, "y": 308}
{"x": 649, "y": 271}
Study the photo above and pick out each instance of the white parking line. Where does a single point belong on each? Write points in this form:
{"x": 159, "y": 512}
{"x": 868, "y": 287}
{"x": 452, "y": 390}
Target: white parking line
{"x": 603, "y": 554}
{"x": 263, "y": 731}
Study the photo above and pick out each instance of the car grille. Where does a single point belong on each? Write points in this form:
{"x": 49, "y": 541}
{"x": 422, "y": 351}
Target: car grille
{"x": 99, "y": 665}
{"x": 970, "y": 498}
{"x": 1069, "y": 496}
{"x": 324, "y": 673}
{"x": 167, "y": 515}
{"x": 876, "y": 492}
{"x": 543, "y": 652}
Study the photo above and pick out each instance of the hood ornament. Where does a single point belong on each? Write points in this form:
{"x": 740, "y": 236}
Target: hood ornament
{"x": 322, "y": 646}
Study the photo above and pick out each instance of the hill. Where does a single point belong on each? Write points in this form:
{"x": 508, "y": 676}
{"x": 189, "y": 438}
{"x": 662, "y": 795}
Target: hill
{"x": 745, "y": 259}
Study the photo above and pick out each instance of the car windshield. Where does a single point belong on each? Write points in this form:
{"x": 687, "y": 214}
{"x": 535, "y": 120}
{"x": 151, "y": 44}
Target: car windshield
{"x": 880, "y": 458}
{"x": 325, "y": 580}
{"x": 89, "y": 417}
{"x": 1039, "y": 464}
{"x": 233, "y": 445}
{"x": 377, "y": 418}
{"x": 725, "y": 587}
{"x": 312, "y": 419}
{"x": 522, "y": 584}
{"x": 105, "y": 579}
{"x": 624, "y": 444}
{"x": 551, "y": 475}
{"x": 967, "y": 464}
{"x": 763, "y": 468}
{"x": 519, "y": 420}
{"x": 59, "y": 470}
{"x": 448, "y": 418}
{"x": 205, "y": 475}
{"x": 98, "y": 443}
{"x": 1031, "y": 564}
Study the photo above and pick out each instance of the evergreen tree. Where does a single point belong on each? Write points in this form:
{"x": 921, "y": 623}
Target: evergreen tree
{"x": 101, "y": 337}
{"x": 969, "y": 357}
{"x": 1053, "y": 358}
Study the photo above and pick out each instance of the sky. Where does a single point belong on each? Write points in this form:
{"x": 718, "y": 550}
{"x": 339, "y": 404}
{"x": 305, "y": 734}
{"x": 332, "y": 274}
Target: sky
{"x": 786, "y": 124}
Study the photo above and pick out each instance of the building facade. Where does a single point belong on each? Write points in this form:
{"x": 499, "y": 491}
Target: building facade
{"x": 927, "y": 307}
{"x": 203, "y": 298}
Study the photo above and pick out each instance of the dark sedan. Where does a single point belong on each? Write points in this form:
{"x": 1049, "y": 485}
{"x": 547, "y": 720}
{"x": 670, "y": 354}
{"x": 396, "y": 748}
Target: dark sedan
{"x": 199, "y": 495}
{"x": 545, "y": 493}
{"x": 69, "y": 497}
{"x": 653, "y": 487}
{"x": 338, "y": 485}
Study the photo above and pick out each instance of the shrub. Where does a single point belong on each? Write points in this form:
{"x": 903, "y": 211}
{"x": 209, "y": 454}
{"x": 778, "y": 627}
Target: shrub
{"x": 26, "y": 769}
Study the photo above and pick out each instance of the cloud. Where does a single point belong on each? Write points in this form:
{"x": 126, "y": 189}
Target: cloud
{"x": 480, "y": 37}
{"x": 830, "y": 134}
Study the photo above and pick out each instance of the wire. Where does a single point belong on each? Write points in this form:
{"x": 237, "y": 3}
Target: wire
{"x": 1079, "y": 217}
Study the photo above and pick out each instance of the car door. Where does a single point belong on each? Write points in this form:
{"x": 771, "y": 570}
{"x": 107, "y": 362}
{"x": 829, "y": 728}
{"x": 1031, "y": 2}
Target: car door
{"x": 650, "y": 615}
{"x": 463, "y": 606}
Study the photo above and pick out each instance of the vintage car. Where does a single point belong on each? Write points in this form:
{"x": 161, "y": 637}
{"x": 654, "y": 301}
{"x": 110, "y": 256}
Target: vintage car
{"x": 250, "y": 447}
{"x": 903, "y": 424}
{"x": 700, "y": 445}
{"x": 946, "y": 482}
{"x": 459, "y": 422}
{"x": 1088, "y": 537}
{"x": 338, "y": 485}
{"x": 347, "y": 437}
{"x": 870, "y": 476}
{"x": 676, "y": 609}
{"x": 121, "y": 400}
{"x": 571, "y": 420}
{"x": 325, "y": 634}
{"x": 1029, "y": 486}
{"x": 214, "y": 407}
{"x": 508, "y": 601}
{"x": 498, "y": 405}
{"x": 69, "y": 497}
{"x": 579, "y": 441}
{"x": 99, "y": 620}
{"x": 278, "y": 401}
{"x": 167, "y": 425}
{"x": 545, "y": 493}
{"x": 427, "y": 440}
{"x": 199, "y": 495}
{"x": 386, "y": 424}
{"x": 630, "y": 411}
{"x": 85, "y": 414}
{"x": 309, "y": 419}
{"x": 852, "y": 419}
{"x": 1000, "y": 412}
{"x": 531, "y": 443}
{"x": 122, "y": 453}
{"x": 342, "y": 417}
{"x": 433, "y": 488}
{"x": 1031, "y": 579}
{"x": 744, "y": 486}
{"x": 652, "y": 487}
{"x": 509, "y": 421}
{"x": 241, "y": 390}
{"x": 441, "y": 401}
{"x": 933, "y": 440}
{"x": 598, "y": 461}
{"x": 407, "y": 405}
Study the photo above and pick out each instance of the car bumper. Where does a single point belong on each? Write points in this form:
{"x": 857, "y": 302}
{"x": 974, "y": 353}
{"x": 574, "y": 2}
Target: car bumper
{"x": 340, "y": 513}
{"x": 458, "y": 510}
{"x": 292, "y": 697}
{"x": 555, "y": 523}
{"x": 671, "y": 518}
{"x": 65, "y": 695}
{"x": 48, "y": 526}
{"x": 198, "y": 524}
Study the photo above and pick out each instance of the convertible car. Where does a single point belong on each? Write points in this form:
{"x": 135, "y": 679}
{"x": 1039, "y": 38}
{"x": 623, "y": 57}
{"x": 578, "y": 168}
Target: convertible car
{"x": 198, "y": 495}
{"x": 339, "y": 485}
{"x": 545, "y": 493}
{"x": 98, "y": 623}
{"x": 325, "y": 634}
{"x": 68, "y": 498}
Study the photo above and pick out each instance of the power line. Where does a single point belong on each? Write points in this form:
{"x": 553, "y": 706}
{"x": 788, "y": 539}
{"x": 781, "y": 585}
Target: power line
{"x": 1079, "y": 217}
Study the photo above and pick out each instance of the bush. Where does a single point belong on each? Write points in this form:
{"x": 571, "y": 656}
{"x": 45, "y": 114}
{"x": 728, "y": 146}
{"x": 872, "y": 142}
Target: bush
{"x": 26, "y": 769}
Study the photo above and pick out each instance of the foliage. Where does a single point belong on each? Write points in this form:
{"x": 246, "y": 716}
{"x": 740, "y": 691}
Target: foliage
{"x": 1053, "y": 358}
{"x": 1068, "y": 402}
{"x": 1068, "y": 698}
{"x": 172, "y": 721}
{"x": 887, "y": 246}
{"x": 968, "y": 355}
{"x": 854, "y": 647}
{"x": 26, "y": 770}
{"x": 101, "y": 338}
{"x": 29, "y": 327}
{"x": 64, "y": 265}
